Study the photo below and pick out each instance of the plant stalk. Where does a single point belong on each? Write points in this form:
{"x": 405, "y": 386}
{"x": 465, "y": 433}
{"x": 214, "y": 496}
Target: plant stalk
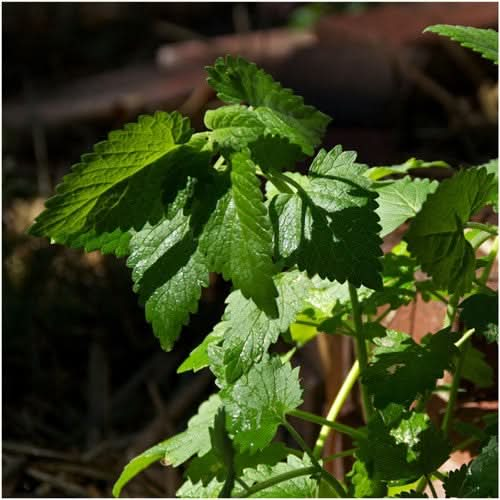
{"x": 337, "y": 487}
{"x": 487, "y": 228}
{"x": 431, "y": 486}
{"x": 450, "y": 407}
{"x": 451, "y": 311}
{"x": 316, "y": 419}
{"x": 334, "y": 410}
{"x": 491, "y": 259}
{"x": 341, "y": 454}
{"x": 360, "y": 350}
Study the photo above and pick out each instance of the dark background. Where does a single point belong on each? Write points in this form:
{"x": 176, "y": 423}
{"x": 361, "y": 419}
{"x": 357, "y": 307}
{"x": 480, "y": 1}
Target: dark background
{"x": 85, "y": 383}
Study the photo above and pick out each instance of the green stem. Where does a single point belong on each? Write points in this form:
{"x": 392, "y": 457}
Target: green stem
{"x": 440, "y": 297}
{"x": 465, "y": 443}
{"x": 450, "y": 407}
{"x": 487, "y": 228}
{"x": 242, "y": 484}
{"x": 278, "y": 479}
{"x": 334, "y": 456}
{"x": 337, "y": 404}
{"x": 451, "y": 311}
{"x": 360, "y": 350}
{"x": 337, "y": 487}
{"x": 439, "y": 475}
{"x": 479, "y": 240}
{"x": 307, "y": 323}
{"x": 316, "y": 419}
{"x": 294, "y": 451}
{"x": 431, "y": 486}
{"x": 466, "y": 336}
{"x": 491, "y": 260}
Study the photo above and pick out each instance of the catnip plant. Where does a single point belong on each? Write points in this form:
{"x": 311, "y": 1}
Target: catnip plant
{"x": 304, "y": 258}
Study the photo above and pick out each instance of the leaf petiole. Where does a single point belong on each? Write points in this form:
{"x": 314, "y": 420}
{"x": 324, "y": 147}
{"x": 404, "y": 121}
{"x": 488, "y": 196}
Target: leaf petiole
{"x": 487, "y": 228}
{"x": 360, "y": 349}
{"x": 431, "y": 486}
{"x": 316, "y": 419}
{"x": 334, "y": 456}
{"x": 337, "y": 487}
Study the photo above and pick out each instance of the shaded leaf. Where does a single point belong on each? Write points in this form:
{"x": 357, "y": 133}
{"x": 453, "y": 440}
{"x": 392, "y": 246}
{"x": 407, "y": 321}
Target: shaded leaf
{"x": 475, "y": 369}
{"x": 438, "y": 243}
{"x": 328, "y": 226}
{"x": 402, "y": 370}
{"x": 480, "y": 311}
{"x": 401, "y": 445}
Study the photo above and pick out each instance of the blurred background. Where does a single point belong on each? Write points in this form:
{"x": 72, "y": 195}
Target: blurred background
{"x": 85, "y": 384}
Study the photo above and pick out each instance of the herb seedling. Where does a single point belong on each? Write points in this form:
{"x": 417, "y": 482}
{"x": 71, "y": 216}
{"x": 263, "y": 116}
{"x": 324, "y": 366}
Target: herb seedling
{"x": 303, "y": 258}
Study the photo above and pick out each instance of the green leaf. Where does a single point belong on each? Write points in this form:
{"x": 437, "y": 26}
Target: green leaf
{"x": 329, "y": 226}
{"x": 476, "y": 370}
{"x": 480, "y": 311}
{"x": 376, "y": 173}
{"x": 258, "y": 402}
{"x": 298, "y": 487}
{"x": 177, "y": 449}
{"x": 274, "y": 153}
{"x": 168, "y": 273}
{"x": 484, "y": 41}
{"x": 198, "y": 358}
{"x": 438, "y": 241}
{"x": 249, "y": 331}
{"x": 478, "y": 479}
{"x": 197, "y": 490}
{"x": 208, "y": 466}
{"x": 453, "y": 483}
{"x": 234, "y": 126}
{"x": 482, "y": 476}
{"x": 400, "y": 200}
{"x": 412, "y": 494}
{"x": 401, "y": 445}
{"x": 236, "y": 80}
{"x": 398, "y": 276}
{"x": 492, "y": 168}
{"x": 237, "y": 239}
{"x": 402, "y": 369}
{"x": 361, "y": 484}
{"x": 89, "y": 193}
{"x": 115, "y": 242}
{"x": 223, "y": 450}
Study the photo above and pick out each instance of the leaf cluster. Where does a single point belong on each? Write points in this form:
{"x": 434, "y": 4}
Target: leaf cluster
{"x": 304, "y": 258}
